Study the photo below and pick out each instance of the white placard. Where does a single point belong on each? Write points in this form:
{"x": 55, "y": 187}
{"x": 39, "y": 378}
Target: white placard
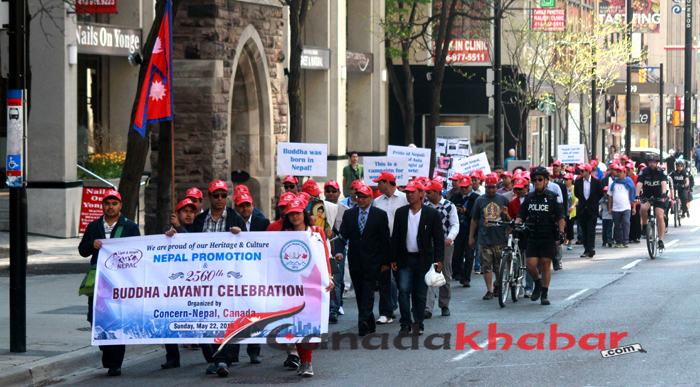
{"x": 440, "y": 146}
{"x": 376, "y": 165}
{"x": 570, "y": 154}
{"x": 418, "y": 158}
{"x": 302, "y": 159}
{"x": 464, "y": 147}
{"x": 452, "y": 146}
{"x": 470, "y": 164}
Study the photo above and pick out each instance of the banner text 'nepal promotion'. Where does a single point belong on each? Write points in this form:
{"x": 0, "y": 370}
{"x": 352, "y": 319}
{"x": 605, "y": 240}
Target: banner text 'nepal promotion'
{"x": 210, "y": 288}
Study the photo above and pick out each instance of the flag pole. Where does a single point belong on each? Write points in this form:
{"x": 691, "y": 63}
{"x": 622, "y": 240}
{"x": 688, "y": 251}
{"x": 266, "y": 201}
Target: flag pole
{"x": 172, "y": 163}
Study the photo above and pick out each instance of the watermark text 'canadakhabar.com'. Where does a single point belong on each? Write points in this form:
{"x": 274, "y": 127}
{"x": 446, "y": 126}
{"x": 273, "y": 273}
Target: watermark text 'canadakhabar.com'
{"x": 529, "y": 341}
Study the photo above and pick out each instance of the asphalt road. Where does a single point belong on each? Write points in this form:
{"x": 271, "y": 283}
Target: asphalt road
{"x": 620, "y": 293}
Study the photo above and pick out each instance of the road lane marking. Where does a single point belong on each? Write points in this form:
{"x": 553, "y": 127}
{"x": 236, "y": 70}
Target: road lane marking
{"x": 469, "y": 352}
{"x": 580, "y": 292}
{"x": 695, "y": 229}
{"x": 631, "y": 264}
{"x": 671, "y": 243}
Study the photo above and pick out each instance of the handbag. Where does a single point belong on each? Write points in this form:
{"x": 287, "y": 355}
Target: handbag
{"x": 87, "y": 287}
{"x": 433, "y": 278}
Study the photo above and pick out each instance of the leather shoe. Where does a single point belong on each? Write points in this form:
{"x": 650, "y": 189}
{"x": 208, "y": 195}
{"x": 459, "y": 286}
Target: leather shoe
{"x": 584, "y": 255}
{"x": 445, "y": 311}
{"x": 114, "y": 371}
{"x": 405, "y": 330}
{"x": 428, "y": 314}
{"x": 255, "y": 359}
{"x": 591, "y": 253}
{"x": 363, "y": 328}
{"x": 170, "y": 364}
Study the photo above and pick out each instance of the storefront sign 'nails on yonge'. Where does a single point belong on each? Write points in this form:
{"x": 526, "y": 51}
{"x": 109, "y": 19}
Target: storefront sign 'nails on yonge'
{"x": 104, "y": 40}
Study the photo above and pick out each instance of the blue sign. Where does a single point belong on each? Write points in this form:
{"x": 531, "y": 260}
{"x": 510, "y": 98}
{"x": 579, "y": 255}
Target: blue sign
{"x": 14, "y": 163}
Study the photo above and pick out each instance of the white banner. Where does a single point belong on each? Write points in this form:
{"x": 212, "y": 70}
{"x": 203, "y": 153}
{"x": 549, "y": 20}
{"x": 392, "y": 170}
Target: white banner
{"x": 470, "y": 164}
{"x": 570, "y": 154}
{"x": 210, "y": 288}
{"x": 302, "y": 159}
{"x": 418, "y": 158}
{"x": 376, "y": 165}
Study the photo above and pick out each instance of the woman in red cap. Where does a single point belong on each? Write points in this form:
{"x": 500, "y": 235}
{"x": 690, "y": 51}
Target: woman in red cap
{"x": 297, "y": 219}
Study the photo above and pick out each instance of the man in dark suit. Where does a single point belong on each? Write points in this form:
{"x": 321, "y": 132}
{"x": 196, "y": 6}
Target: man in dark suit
{"x": 366, "y": 229}
{"x": 589, "y": 191}
{"x": 463, "y": 256}
{"x": 418, "y": 241}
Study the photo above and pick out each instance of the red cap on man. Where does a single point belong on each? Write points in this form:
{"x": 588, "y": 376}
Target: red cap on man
{"x": 593, "y": 163}
{"x": 365, "y": 190}
{"x": 491, "y": 180}
{"x": 286, "y": 198}
{"x": 629, "y": 165}
{"x": 333, "y": 184}
{"x": 586, "y": 167}
{"x": 456, "y": 176}
{"x": 414, "y": 185}
{"x": 556, "y": 162}
{"x": 568, "y": 176}
{"x": 388, "y": 176}
{"x": 465, "y": 181}
{"x": 239, "y": 189}
{"x": 507, "y": 174}
{"x": 357, "y": 184}
{"x": 243, "y": 197}
{"x": 376, "y": 193}
{"x": 475, "y": 174}
{"x": 112, "y": 194}
{"x": 194, "y": 193}
{"x": 434, "y": 186}
{"x": 439, "y": 179}
{"x": 311, "y": 188}
{"x": 290, "y": 179}
{"x": 304, "y": 196}
{"x": 520, "y": 183}
{"x": 217, "y": 184}
{"x": 185, "y": 203}
{"x": 570, "y": 169}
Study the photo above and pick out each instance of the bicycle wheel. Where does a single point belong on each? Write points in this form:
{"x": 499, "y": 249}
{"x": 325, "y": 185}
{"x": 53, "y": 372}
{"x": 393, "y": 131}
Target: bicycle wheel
{"x": 676, "y": 215}
{"x": 651, "y": 239}
{"x": 504, "y": 276}
{"x": 519, "y": 277}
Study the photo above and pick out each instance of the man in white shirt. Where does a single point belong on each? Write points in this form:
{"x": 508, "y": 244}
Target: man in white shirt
{"x": 450, "y": 226}
{"x": 390, "y": 201}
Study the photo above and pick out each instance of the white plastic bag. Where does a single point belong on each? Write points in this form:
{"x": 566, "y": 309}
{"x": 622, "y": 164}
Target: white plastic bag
{"x": 433, "y": 278}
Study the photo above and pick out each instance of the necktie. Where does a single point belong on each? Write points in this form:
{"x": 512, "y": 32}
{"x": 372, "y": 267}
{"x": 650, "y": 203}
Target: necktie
{"x": 363, "y": 219}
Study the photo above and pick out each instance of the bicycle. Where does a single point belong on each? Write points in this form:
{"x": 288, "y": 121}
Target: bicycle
{"x": 512, "y": 275}
{"x": 677, "y": 213}
{"x": 652, "y": 233}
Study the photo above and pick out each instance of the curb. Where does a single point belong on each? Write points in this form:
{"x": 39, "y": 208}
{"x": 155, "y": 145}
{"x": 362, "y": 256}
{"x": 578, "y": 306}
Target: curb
{"x": 57, "y": 366}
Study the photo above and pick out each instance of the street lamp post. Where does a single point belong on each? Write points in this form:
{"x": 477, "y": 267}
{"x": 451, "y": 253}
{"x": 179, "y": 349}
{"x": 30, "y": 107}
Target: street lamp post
{"x": 628, "y": 98}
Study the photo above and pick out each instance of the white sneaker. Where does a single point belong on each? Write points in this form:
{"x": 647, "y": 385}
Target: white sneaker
{"x": 340, "y": 311}
{"x": 528, "y": 293}
{"x": 384, "y": 320}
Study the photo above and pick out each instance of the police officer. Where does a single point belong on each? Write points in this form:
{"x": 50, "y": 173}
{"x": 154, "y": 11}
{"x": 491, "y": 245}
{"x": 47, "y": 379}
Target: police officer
{"x": 652, "y": 182}
{"x": 542, "y": 208}
{"x": 681, "y": 180}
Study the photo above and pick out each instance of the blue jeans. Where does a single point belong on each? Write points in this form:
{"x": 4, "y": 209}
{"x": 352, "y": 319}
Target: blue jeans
{"x": 337, "y": 301}
{"x": 607, "y": 231}
{"x": 412, "y": 288}
{"x": 477, "y": 264}
{"x": 529, "y": 282}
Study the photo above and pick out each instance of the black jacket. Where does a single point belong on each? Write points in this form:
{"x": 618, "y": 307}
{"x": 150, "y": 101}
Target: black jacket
{"x": 465, "y": 218}
{"x": 257, "y": 223}
{"x": 370, "y": 250}
{"x": 95, "y": 230}
{"x": 590, "y": 205}
{"x": 232, "y": 220}
{"x": 431, "y": 238}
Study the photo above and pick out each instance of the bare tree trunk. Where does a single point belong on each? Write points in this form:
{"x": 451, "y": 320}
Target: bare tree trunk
{"x": 137, "y": 146}
{"x": 297, "y": 17}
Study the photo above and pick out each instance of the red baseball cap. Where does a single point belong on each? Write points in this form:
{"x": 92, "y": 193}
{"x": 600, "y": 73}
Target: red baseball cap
{"x": 365, "y": 190}
{"x": 333, "y": 184}
{"x": 630, "y": 165}
{"x": 593, "y": 163}
{"x": 376, "y": 194}
{"x": 439, "y": 179}
{"x": 520, "y": 183}
{"x": 568, "y": 176}
{"x": 624, "y": 157}
{"x": 465, "y": 181}
{"x": 217, "y": 184}
{"x": 414, "y": 185}
{"x": 526, "y": 175}
{"x": 388, "y": 176}
{"x": 357, "y": 184}
{"x": 240, "y": 189}
{"x": 556, "y": 162}
{"x": 290, "y": 179}
{"x": 286, "y": 198}
{"x": 243, "y": 197}
{"x": 434, "y": 186}
{"x": 456, "y": 176}
{"x": 506, "y": 173}
{"x": 311, "y": 188}
{"x": 605, "y": 188}
{"x": 475, "y": 174}
{"x": 586, "y": 167}
{"x": 304, "y": 196}
{"x": 571, "y": 169}
{"x": 194, "y": 193}
{"x": 642, "y": 166}
{"x": 185, "y": 203}
{"x": 296, "y": 205}
{"x": 112, "y": 194}
{"x": 491, "y": 180}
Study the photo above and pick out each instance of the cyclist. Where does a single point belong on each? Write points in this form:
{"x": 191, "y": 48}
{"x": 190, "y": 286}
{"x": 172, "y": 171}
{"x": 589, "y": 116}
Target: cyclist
{"x": 542, "y": 208}
{"x": 652, "y": 182}
{"x": 681, "y": 182}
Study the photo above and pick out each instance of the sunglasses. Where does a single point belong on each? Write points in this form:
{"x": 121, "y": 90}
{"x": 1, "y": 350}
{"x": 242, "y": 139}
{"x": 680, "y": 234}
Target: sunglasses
{"x": 331, "y": 191}
{"x": 517, "y": 189}
{"x": 219, "y": 196}
{"x": 537, "y": 179}
{"x": 289, "y": 186}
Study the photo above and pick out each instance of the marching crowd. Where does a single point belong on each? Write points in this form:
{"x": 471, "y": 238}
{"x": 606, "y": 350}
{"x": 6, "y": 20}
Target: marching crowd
{"x": 384, "y": 238}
